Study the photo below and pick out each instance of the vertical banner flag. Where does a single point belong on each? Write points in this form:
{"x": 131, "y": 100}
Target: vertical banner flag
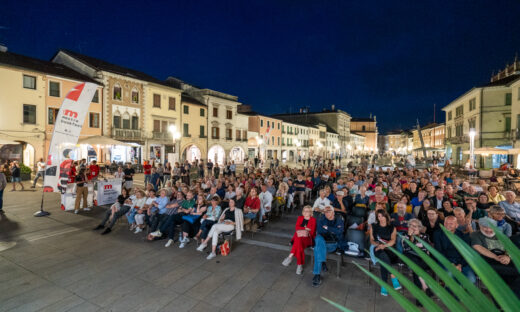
{"x": 65, "y": 136}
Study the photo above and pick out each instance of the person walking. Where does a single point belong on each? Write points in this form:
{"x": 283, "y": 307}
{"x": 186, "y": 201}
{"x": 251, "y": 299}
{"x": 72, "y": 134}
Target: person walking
{"x": 3, "y": 185}
{"x": 81, "y": 190}
{"x": 40, "y": 172}
{"x": 15, "y": 175}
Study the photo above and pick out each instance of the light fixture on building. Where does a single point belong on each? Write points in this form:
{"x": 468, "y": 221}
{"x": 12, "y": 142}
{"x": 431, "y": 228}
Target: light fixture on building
{"x": 472, "y": 134}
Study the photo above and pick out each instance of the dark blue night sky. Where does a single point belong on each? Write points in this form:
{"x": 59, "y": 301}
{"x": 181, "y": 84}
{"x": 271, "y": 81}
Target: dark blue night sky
{"x": 394, "y": 59}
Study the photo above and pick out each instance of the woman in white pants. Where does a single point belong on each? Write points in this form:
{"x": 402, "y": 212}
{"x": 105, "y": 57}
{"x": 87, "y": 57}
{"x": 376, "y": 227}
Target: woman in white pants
{"x": 231, "y": 219}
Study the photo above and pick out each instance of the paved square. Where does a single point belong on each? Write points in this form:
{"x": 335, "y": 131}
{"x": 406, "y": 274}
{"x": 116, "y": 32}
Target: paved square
{"x": 59, "y": 264}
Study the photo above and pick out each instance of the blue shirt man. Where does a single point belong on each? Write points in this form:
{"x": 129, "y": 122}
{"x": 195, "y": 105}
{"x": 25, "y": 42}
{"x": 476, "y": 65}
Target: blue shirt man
{"x": 329, "y": 237}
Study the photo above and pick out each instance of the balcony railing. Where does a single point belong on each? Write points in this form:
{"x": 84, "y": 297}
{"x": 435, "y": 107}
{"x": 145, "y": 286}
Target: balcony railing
{"x": 458, "y": 140}
{"x": 161, "y": 135}
{"x": 127, "y": 134}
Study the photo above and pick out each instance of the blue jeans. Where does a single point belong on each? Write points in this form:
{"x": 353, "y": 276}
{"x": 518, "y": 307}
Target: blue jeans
{"x": 147, "y": 178}
{"x": 130, "y": 216}
{"x": 250, "y": 215}
{"x": 38, "y": 175}
{"x": 321, "y": 248}
{"x": 468, "y": 272}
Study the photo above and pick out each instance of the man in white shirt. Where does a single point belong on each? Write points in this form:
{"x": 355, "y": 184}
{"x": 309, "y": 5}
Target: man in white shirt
{"x": 321, "y": 202}
{"x": 266, "y": 198}
{"x": 40, "y": 172}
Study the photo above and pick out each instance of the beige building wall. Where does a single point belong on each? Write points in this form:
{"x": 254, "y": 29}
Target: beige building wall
{"x": 13, "y": 96}
{"x": 159, "y": 115}
{"x": 489, "y": 116}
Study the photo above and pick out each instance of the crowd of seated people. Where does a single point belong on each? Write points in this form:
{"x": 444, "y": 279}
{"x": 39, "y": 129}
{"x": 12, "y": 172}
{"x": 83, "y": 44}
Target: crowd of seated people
{"x": 388, "y": 207}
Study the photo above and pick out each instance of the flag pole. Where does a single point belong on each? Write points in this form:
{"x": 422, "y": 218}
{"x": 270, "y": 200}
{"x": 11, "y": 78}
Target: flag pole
{"x": 41, "y": 213}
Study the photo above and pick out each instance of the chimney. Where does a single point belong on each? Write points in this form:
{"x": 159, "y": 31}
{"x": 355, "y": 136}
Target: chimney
{"x": 332, "y": 107}
{"x": 3, "y": 48}
{"x": 301, "y": 110}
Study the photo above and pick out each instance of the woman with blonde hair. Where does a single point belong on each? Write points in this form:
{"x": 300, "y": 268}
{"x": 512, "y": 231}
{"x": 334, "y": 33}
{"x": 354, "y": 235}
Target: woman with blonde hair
{"x": 305, "y": 231}
{"x": 138, "y": 202}
{"x": 280, "y": 198}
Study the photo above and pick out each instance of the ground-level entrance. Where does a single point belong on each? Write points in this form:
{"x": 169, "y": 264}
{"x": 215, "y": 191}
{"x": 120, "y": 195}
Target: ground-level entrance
{"x": 191, "y": 153}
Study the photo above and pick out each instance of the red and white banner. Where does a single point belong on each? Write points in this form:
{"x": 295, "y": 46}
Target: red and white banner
{"x": 67, "y": 129}
{"x": 108, "y": 191}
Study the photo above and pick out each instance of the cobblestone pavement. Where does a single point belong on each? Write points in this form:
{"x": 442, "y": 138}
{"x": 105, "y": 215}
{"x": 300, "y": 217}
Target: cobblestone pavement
{"x": 58, "y": 263}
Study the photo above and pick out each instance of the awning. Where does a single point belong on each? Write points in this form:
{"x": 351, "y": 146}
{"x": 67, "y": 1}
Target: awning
{"x": 4, "y": 142}
{"x": 101, "y": 140}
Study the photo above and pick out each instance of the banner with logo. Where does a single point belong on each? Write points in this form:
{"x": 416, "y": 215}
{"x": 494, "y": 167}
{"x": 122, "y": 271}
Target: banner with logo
{"x": 67, "y": 129}
{"x": 108, "y": 191}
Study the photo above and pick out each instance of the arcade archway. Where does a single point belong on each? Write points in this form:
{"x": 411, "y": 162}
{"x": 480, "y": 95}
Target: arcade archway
{"x": 237, "y": 154}
{"x": 191, "y": 153}
{"x": 217, "y": 154}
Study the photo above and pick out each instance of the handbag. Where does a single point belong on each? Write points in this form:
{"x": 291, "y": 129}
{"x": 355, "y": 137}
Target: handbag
{"x": 190, "y": 218}
{"x": 224, "y": 248}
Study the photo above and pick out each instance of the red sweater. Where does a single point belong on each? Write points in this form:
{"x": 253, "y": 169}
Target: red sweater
{"x": 253, "y": 203}
{"x": 311, "y": 224}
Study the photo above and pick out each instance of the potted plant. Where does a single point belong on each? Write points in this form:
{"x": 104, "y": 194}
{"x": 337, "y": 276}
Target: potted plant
{"x": 25, "y": 172}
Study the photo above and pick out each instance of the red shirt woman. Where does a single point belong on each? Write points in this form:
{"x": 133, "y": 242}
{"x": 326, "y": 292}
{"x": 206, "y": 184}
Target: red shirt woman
{"x": 305, "y": 231}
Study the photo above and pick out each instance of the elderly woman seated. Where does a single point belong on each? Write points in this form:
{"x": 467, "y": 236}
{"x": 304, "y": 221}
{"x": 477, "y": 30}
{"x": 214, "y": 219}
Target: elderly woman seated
{"x": 302, "y": 238}
{"x": 231, "y": 219}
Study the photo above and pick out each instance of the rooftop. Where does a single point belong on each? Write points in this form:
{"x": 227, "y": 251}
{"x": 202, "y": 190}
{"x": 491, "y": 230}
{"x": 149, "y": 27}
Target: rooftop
{"x": 502, "y": 82}
{"x": 373, "y": 119}
{"x": 112, "y": 68}
{"x": 185, "y": 97}
{"x": 26, "y": 62}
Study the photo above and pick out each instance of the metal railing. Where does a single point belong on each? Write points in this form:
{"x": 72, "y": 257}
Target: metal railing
{"x": 127, "y": 134}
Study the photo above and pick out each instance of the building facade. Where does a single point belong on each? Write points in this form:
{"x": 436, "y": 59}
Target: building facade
{"x": 269, "y": 135}
{"x": 434, "y": 141}
{"x": 337, "y": 120}
{"x": 194, "y": 138}
{"x": 366, "y": 127}
{"x": 162, "y": 112}
{"x": 486, "y": 109}
{"x": 124, "y": 102}
{"x": 31, "y": 91}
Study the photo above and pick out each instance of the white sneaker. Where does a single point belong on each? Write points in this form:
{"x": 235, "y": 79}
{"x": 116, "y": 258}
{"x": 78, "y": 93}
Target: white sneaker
{"x": 76, "y": 211}
{"x": 138, "y": 230}
{"x": 202, "y": 247}
{"x": 86, "y": 209}
{"x": 211, "y": 256}
{"x": 156, "y": 234}
{"x": 287, "y": 261}
{"x": 299, "y": 269}
{"x": 169, "y": 243}
{"x": 182, "y": 245}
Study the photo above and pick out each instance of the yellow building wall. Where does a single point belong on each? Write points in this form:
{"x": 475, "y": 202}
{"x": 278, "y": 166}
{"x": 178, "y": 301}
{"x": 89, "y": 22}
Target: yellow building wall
{"x": 162, "y": 113}
{"x": 194, "y": 120}
{"x": 12, "y": 97}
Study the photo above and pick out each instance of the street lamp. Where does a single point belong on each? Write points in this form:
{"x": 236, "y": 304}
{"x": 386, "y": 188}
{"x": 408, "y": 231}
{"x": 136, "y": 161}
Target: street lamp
{"x": 472, "y": 134}
{"x": 176, "y": 135}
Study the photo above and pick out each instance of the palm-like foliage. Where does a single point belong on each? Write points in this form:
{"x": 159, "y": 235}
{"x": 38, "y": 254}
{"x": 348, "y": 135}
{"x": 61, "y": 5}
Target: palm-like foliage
{"x": 462, "y": 294}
